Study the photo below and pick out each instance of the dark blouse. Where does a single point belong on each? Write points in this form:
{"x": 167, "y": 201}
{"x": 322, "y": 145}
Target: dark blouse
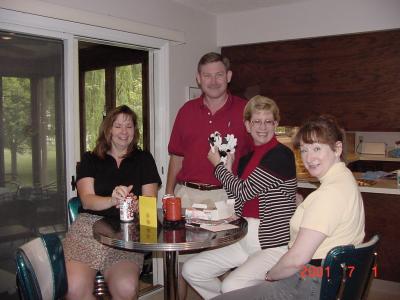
{"x": 274, "y": 183}
{"x": 137, "y": 170}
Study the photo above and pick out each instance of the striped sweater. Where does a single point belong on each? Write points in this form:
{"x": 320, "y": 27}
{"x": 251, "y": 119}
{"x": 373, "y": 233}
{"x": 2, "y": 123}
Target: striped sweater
{"x": 274, "y": 183}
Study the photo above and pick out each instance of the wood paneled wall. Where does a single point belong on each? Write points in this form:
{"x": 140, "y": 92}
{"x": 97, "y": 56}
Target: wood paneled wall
{"x": 355, "y": 77}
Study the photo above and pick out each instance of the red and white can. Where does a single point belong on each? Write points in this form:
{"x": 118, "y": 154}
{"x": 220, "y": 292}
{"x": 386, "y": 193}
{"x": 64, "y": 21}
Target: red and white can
{"x": 164, "y": 198}
{"x": 126, "y": 209}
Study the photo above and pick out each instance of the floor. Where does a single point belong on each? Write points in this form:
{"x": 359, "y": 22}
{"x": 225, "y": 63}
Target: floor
{"x": 380, "y": 290}
{"x": 384, "y": 290}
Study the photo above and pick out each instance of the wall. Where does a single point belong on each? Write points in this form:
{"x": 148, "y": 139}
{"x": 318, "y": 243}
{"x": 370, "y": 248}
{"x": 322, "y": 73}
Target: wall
{"x": 354, "y": 77}
{"x": 198, "y": 27}
{"x": 390, "y": 138}
{"x": 310, "y": 18}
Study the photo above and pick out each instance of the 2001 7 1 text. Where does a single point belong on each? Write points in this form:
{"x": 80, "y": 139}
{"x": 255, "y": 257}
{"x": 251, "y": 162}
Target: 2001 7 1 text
{"x": 318, "y": 272}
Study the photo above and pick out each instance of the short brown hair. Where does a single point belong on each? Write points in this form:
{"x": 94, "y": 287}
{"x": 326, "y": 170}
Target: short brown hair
{"x": 213, "y": 57}
{"x": 261, "y": 103}
{"x": 103, "y": 143}
{"x": 322, "y": 129}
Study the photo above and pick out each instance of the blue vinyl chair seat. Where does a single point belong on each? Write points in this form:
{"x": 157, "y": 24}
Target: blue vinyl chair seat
{"x": 41, "y": 270}
{"x": 74, "y": 204}
{"x": 351, "y": 270}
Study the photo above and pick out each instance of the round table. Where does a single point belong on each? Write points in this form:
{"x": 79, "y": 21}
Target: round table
{"x": 166, "y": 238}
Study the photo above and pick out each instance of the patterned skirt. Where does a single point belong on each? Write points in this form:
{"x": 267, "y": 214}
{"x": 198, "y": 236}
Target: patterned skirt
{"x": 80, "y": 245}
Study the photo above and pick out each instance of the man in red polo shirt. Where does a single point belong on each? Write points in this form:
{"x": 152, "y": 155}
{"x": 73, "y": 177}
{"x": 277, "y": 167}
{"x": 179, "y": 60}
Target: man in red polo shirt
{"x": 190, "y": 174}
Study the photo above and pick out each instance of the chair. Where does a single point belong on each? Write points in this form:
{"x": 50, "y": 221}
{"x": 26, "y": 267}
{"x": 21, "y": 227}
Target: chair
{"x": 348, "y": 271}
{"x": 73, "y": 209}
{"x": 100, "y": 286}
{"x": 41, "y": 270}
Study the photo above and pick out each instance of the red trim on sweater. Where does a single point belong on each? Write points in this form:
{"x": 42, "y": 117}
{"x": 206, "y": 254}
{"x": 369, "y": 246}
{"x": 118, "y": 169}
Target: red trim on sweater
{"x": 251, "y": 207}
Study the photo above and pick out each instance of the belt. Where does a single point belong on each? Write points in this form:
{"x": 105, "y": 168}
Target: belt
{"x": 201, "y": 187}
{"x": 316, "y": 262}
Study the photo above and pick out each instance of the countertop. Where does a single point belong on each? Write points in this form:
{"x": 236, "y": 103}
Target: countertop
{"x": 382, "y": 186}
{"x": 354, "y": 157}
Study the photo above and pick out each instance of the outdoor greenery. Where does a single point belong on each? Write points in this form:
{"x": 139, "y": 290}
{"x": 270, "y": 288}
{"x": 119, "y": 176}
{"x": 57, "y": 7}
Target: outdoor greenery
{"x": 128, "y": 91}
{"x": 16, "y": 118}
{"x": 18, "y": 129}
{"x": 24, "y": 167}
{"x": 95, "y": 101}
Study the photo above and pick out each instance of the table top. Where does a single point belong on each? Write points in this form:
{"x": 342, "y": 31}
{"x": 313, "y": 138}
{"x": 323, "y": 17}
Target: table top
{"x": 132, "y": 236}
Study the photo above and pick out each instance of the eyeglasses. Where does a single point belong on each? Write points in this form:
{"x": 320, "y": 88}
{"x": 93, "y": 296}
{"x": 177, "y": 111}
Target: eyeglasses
{"x": 258, "y": 123}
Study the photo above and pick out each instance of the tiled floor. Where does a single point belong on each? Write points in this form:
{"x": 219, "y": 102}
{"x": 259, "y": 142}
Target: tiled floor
{"x": 380, "y": 290}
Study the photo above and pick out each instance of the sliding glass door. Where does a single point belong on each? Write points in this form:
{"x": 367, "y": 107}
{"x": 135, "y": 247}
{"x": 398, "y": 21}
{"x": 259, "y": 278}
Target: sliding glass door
{"x": 32, "y": 160}
{"x": 41, "y": 121}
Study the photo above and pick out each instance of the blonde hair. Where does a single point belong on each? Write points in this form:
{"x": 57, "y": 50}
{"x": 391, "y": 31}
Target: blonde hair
{"x": 261, "y": 103}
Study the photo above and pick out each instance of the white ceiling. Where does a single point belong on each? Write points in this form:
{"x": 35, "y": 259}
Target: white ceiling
{"x": 229, "y": 6}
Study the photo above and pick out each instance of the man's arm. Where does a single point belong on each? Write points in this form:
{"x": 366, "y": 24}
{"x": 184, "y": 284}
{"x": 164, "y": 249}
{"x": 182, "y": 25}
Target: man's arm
{"x": 175, "y": 165}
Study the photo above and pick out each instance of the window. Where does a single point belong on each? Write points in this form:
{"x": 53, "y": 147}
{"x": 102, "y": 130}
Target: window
{"x": 67, "y": 106}
{"x": 111, "y": 76}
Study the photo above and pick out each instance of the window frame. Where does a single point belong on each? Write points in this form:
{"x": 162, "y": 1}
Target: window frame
{"x": 122, "y": 57}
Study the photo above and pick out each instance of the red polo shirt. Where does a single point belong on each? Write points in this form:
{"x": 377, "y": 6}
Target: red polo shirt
{"x": 189, "y": 138}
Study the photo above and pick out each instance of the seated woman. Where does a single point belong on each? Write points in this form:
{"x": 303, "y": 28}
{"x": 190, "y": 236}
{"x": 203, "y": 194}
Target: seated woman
{"x": 115, "y": 168}
{"x": 265, "y": 194}
{"x": 330, "y": 216}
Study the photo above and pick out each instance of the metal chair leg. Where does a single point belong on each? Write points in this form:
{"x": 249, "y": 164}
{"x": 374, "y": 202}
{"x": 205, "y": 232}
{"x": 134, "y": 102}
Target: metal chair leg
{"x": 100, "y": 286}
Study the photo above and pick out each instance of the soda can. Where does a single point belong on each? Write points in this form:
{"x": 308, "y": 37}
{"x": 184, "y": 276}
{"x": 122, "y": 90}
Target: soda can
{"x": 128, "y": 231}
{"x": 126, "y": 213}
{"x": 164, "y": 198}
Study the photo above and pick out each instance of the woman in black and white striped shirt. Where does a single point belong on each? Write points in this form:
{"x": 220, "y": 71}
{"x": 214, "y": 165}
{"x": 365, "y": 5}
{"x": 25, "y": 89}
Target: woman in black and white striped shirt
{"x": 265, "y": 194}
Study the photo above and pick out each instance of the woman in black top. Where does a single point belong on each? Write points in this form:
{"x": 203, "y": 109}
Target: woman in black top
{"x": 115, "y": 168}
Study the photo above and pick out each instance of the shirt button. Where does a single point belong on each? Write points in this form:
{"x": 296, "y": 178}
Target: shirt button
{"x": 209, "y": 113}
{"x": 210, "y": 122}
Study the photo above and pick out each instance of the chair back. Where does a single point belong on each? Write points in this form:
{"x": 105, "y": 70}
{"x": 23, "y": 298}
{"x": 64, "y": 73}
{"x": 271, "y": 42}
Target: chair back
{"x": 73, "y": 209}
{"x": 41, "y": 273}
{"x": 348, "y": 271}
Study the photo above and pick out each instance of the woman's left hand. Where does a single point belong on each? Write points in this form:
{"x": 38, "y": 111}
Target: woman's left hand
{"x": 213, "y": 156}
{"x": 119, "y": 194}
